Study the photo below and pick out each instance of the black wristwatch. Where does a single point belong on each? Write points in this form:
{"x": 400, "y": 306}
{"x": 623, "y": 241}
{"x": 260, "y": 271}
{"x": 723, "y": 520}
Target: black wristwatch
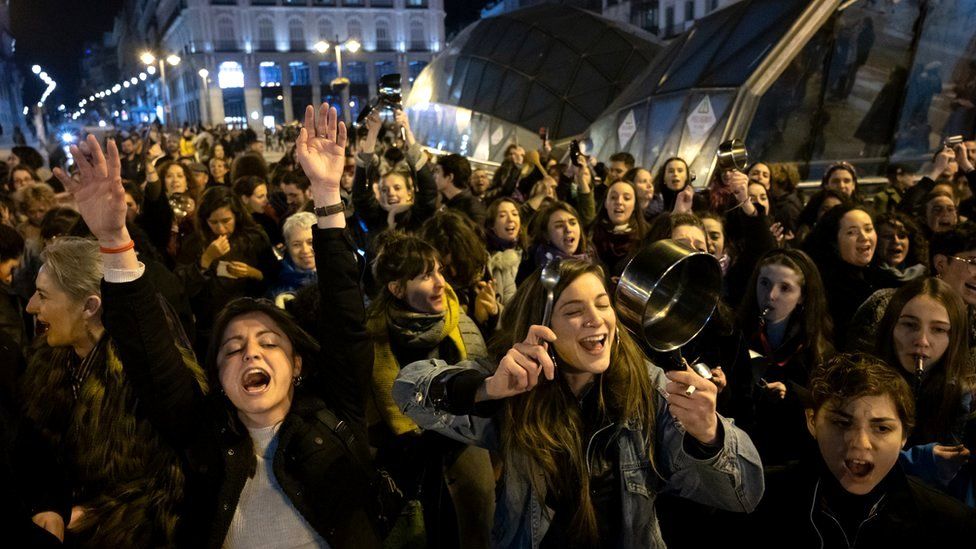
{"x": 331, "y": 209}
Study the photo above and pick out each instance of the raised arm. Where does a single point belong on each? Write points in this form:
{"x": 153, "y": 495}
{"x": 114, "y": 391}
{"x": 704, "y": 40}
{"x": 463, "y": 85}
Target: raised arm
{"x": 347, "y": 353}
{"x": 132, "y": 312}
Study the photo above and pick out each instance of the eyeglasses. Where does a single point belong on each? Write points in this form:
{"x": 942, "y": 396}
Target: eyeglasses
{"x": 969, "y": 261}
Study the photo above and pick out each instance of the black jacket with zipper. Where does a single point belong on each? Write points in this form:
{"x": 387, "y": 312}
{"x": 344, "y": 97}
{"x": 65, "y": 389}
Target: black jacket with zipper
{"x": 317, "y": 466}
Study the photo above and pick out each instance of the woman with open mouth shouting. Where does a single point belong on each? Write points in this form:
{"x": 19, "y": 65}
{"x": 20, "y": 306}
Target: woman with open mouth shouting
{"x": 854, "y": 492}
{"x": 842, "y": 245}
{"x": 556, "y": 232}
{"x": 619, "y": 227}
{"x": 271, "y": 462}
{"x": 587, "y": 440}
{"x": 923, "y": 336}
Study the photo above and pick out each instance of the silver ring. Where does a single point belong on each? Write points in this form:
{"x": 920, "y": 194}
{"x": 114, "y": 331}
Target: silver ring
{"x": 690, "y": 390}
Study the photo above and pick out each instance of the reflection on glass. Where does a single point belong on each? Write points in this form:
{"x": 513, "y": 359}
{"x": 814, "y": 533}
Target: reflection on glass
{"x": 838, "y": 98}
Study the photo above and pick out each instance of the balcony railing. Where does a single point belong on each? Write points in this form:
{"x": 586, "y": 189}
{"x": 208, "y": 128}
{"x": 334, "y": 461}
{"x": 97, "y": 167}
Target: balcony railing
{"x": 384, "y": 45}
{"x": 419, "y": 45}
{"x": 266, "y": 45}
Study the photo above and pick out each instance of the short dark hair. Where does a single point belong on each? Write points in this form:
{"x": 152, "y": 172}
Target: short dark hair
{"x": 249, "y": 164}
{"x": 950, "y": 243}
{"x": 625, "y": 157}
{"x": 302, "y": 343}
{"x": 458, "y": 166}
{"x": 29, "y": 156}
{"x": 134, "y": 190}
{"x": 245, "y": 186}
{"x": 59, "y": 222}
{"x": 217, "y": 197}
{"x": 849, "y": 376}
{"x": 11, "y": 243}
{"x": 297, "y": 179}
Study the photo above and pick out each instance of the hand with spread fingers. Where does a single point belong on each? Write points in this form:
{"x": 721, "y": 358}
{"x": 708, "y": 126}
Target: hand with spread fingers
{"x": 691, "y": 402}
{"x": 519, "y": 370}
{"x": 320, "y": 150}
{"x": 98, "y": 190}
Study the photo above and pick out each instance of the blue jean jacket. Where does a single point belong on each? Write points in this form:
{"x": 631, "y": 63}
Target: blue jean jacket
{"x": 731, "y": 480}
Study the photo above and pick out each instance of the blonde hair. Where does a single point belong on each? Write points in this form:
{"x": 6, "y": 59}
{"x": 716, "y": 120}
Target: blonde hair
{"x": 34, "y": 193}
{"x": 298, "y": 222}
{"x": 75, "y": 265}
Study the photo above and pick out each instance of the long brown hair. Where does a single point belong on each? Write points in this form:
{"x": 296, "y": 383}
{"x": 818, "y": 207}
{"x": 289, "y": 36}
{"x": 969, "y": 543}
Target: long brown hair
{"x": 813, "y": 317}
{"x": 543, "y": 431}
{"x": 940, "y": 397}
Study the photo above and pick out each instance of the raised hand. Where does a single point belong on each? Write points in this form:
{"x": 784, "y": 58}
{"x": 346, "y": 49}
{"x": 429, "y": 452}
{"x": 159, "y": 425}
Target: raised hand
{"x": 693, "y": 408}
{"x": 98, "y": 190}
{"x": 320, "y": 149}
{"x": 519, "y": 370}
{"x": 486, "y": 302}
{"x": 684, "y": 200}
{"x": 963, "y": 159}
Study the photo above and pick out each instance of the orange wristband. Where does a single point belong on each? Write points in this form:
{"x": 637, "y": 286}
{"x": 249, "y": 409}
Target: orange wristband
{"x": 118, "y": 250}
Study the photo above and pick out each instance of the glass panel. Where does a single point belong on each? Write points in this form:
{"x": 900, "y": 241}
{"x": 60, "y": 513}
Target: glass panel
{"x": 385, "y": 67}
{"x": 269, "y": 73}
{"x": 942, "y": 81}
{"x": 327, "y": 73}
{"x": 839, "y": 98}
{"x": 234, "y": 110}
{"x": 273, "y": 103}
{"x": 299, "y": 73}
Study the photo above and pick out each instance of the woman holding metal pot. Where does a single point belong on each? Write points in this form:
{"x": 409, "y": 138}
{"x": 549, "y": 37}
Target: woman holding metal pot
{"x": 589, "y": 431}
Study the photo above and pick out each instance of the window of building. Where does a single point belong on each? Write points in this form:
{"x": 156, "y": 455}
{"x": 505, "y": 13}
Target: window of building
{"x": 416, "y": 3}
{"x": 326, "y": 31}
{"x": 418, "y": 36}
{"x": 416, "y": 67}
{"x": 296, "y": 34}
{"x": 327, "y": 72}
{"x": 270, "y": 74}
{"x": 712, "y": 5}
{"x": 383, "y": 41}
{"x": 266, "y": 37}
{"x": 230, "y": 74}
{"x": 354, "y": 30}
{"x": 384, "y": 67}
{"x": 669, "y": 20}
{"x": 690, "y": 10}
{"x": 299, "y": 73}
{"x": 226, "y": 35}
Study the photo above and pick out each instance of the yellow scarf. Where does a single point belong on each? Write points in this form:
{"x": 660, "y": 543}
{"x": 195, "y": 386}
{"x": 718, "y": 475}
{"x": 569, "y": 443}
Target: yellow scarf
{"x": 386, "y": 367}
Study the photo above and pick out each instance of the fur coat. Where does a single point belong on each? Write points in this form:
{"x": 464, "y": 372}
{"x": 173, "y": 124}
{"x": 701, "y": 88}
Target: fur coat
{"x": 127, "y": 479}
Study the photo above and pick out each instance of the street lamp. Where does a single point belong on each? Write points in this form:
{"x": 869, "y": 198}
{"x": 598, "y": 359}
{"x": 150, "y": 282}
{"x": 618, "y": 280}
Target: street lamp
{"x": 150, "y": 59}
{"x": 204, "y": 74}
{"x": 340, "y": 84}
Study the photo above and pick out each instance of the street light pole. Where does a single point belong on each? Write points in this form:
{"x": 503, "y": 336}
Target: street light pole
{"x": 204, "y": 74}
{"x": 346, "y": 115}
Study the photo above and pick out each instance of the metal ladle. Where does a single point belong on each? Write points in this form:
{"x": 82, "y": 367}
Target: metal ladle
{"x": 550, "y": 279}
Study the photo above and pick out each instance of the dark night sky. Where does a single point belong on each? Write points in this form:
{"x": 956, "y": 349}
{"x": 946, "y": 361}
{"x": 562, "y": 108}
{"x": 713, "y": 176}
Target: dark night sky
{"x": 51, "y": 33}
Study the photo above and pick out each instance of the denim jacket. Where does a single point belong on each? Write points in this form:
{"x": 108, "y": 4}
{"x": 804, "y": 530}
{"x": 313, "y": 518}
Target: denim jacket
{"x": 730, "y": 480}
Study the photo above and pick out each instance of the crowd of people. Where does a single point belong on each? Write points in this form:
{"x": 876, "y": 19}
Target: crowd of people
{"x": 353, "y": 347}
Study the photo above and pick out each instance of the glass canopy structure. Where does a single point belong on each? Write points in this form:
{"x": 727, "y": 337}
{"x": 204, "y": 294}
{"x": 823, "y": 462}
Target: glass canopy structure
{"x": 504, "y": 78}
{"x": 805, "y": 81}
